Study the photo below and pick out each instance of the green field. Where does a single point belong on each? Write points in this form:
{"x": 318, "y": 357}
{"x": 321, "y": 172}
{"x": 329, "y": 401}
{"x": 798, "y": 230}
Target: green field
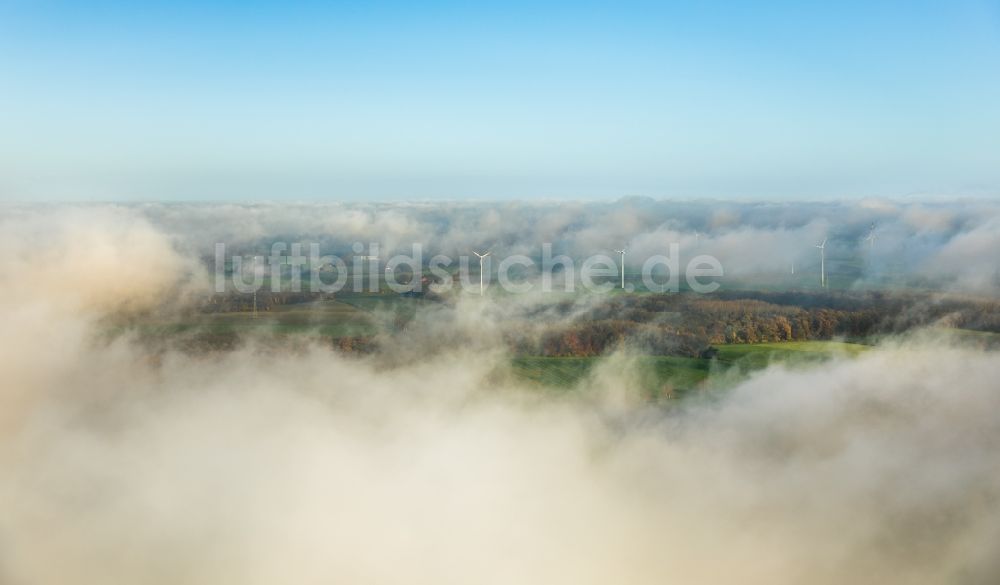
{"x": 676, "y": 376}
{"x": 334, "y": 319}
{"x": 753, "y": 356}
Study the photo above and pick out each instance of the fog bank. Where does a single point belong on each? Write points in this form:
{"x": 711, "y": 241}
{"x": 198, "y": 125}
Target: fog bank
{"x": 251, "y": 466}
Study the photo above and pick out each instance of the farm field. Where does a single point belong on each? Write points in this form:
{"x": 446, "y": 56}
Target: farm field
{"x": 351, "y": 320}
{"x": 677, "y": 376}
{"x": 333, "y": 319}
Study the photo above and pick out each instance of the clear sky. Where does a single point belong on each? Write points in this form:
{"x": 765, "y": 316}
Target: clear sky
{"x": 395, "y": 100}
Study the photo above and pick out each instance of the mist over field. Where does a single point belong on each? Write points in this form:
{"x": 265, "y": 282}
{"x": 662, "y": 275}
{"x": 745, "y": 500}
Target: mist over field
{"x": 948, "y": 245}
{"x": 499, "y": 293}
{"x": 121, "y": 463}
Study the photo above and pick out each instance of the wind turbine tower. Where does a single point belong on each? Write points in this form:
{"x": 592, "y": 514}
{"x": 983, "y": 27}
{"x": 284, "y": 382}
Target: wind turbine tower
{"x": 822, "y": 263}
{"x": 871, "y": 238}
{"x": 482, "y": 256}
{"x": 622, "y": 252}
{"x": 256, "y": 269}
{"x": 359, "y": 272}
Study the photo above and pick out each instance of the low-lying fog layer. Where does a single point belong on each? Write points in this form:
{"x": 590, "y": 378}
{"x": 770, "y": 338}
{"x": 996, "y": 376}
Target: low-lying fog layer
{"x": 308, "y": 467}
{"x": 953, "y": 243}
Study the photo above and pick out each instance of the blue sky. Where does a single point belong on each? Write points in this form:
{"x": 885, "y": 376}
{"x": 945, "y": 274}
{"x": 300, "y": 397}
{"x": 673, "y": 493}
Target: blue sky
{"x": 396, "y": 100}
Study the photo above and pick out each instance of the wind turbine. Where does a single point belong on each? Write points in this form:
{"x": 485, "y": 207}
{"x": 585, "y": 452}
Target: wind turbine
{"x": 822, "y": 263}
{"x": 622, "y": 252}
{"x": 482, "y": 256}
{"x": 256, "y": 269}
{"x": 871, "y": 238}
